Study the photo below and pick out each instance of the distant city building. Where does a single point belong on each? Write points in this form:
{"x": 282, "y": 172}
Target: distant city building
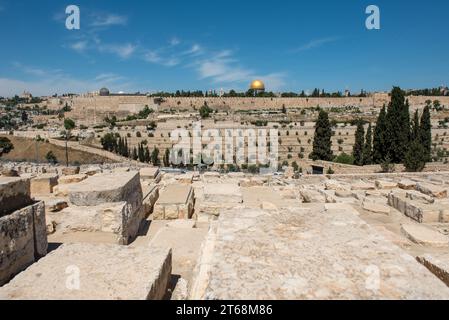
{"x": 26, "y": 95}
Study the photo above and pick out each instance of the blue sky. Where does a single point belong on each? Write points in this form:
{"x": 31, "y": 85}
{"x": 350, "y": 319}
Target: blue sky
{"x": 200, "y": 45}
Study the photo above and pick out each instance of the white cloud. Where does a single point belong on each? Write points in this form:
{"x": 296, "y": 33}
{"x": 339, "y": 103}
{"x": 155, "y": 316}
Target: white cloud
{"x": 195, "y": 50}
{"x": 174, "y": 41}
{"x": 316, "y": 44}
{"x": 109, "y": 20}
{"x": 124, "y": 51}
{"x": 224, "y": 69}
{"x": 79, "y": 46}
{"x": 34, "y": 71}
{"x": 48, "y": 82}
{"x": 153, "y": 56}
{"x": 221, "y": 68}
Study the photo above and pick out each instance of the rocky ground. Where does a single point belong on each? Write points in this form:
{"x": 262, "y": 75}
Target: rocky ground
{"x": 231, "y": 236}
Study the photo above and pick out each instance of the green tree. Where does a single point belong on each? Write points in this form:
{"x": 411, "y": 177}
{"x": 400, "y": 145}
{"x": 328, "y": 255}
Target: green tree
{"x": 24, "y": 117}
{"x": 357, "y": 151}
{"x": 109, "y": 142}
{"x": 205, "y": 111}
{"x": 426, "y": 133}
{"x": 344, "y": 158}
{"x": 134, "y": 155}
{"x": 415, "y": 130}
{"x": 284, "y": 109}
{"x": 398, "y": 126}
{"x": 368, "y": 148}
{"x": 69, "y": 125}
{"x": 146, "y": 157}
{"x": 51, "y": 158}
{"x": 415, "y": 157}
{"x": 155, "y": 157}
{"x": 166, "y": 159}
{"x": 141, "y": 153}
{"x": 322, "y": 143}
{"x": 5, "y": 146}
{"x": 379, "y": 140}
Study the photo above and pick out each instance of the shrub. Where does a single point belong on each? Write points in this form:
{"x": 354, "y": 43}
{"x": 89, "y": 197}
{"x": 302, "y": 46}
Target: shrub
{"x": 344, "y": 158}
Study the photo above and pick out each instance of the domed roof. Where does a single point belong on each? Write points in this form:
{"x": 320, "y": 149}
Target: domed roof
{"x": 104, "y": 92}
{"x": 257, "y": 85}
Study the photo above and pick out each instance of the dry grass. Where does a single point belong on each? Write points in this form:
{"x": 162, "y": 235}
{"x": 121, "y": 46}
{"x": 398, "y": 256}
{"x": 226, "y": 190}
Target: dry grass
{"x": 28, "y": 150}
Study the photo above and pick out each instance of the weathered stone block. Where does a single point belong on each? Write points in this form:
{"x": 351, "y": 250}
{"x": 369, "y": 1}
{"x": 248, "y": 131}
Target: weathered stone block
{"x": 288, "y": 256}
{"x": 438, "y": 192}
{"x": 376, "y": 207}
{"x": 175, "y": 202}
{"x": 150, "y": 173}
{"x": 438, "y": 264}
{"x": 115, "y": 218}
{"x": 150, "y": 196}
{"x": 70, "y": 171}
{"x": 407, "y": 184}
{"x": 44, "y": 184}
{"x": 103, "y": 188}
{"x": 385, "y": 184}
{"x": 72, "y": 179}
{"x": 23, "y": 239}
{"x": 424, "y": 235}
{"x": 107, "y": 272}
{"x": 14, "y": 194}
{"x": 222, "y": 193}
{"x": 186, "y": 178}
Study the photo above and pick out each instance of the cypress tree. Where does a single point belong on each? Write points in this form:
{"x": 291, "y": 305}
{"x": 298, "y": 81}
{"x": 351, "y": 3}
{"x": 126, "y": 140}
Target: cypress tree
{"x": 167, "y": 158}
{"x": 146, "y": 155}
{"x": 140, "y": 153}
{"x": 426, "y": 133}
{"x": 322, "y": 140}
{"x": 357, "y": 151}
{"x": 126, "y": 149}
{"x": 398, "y": 126}
{"x": 379, "y": 147}
{"x": 368, "y": 149}
{"x": 415, "y": 132}
{"x": 415, "y": 157}
{"x": 120, "y": 146}
{"x": 155, "y": 157}
{"x": 134, "y": 155}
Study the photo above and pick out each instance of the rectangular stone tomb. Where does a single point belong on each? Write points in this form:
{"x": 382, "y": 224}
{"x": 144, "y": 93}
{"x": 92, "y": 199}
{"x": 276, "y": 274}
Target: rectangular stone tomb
{"x": 14, "y": 194}
{"x": 150, "y": 173}
{"x": 94, "y": 272}
{"x": 44, "y": 184}
{"x": 117, "y": 218}
{"x": 23, "y": 239}
{"x": 418, "y": 210}
{"x": 222, "y": 193}
{"x": 115, "y": 187}
{"x": 323, "y": 252}
{"x": 175, "y": 202}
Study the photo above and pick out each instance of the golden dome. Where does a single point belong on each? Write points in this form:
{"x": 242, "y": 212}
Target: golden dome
{"x": 257, "y": 85}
